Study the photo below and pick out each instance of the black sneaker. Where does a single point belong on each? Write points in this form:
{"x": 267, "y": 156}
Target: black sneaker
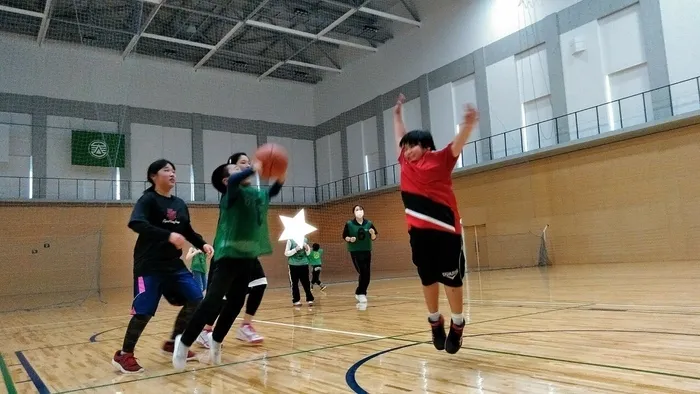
{"x": 454, "y": 339}
{"x": 438, "y": 328}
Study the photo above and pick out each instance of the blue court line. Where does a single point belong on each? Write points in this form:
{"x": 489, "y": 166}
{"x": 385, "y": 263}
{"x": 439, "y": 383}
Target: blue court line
{"x": 33, "y": 376}
{"x": 350, "y": 374}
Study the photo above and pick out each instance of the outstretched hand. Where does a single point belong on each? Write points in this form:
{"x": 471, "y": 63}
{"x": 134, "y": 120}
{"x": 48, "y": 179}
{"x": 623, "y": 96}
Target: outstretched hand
{"x": 399, "y": 104}
{"x": 471, "y": 115}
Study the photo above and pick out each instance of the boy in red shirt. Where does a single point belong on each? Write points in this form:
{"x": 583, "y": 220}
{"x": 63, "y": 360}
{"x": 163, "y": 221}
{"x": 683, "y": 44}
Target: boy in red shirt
{"x": 433, "y": 219}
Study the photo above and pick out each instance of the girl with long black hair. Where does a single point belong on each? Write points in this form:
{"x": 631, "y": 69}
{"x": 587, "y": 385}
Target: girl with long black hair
{"x": 162, "y": 222}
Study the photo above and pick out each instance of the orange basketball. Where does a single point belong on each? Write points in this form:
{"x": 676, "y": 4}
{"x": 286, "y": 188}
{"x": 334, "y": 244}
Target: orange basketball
{"x": 274, "y": 160}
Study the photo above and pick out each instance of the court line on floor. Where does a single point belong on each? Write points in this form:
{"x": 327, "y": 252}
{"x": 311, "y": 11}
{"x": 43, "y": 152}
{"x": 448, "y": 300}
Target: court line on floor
{"x": 207, "y": 367}
{"x": 351, "y": 380}
{"x": 93, "y": 338}
{"x": 393, "y": 337}
{"x": 7, "y": 377}
{"x": 33, "y": 375}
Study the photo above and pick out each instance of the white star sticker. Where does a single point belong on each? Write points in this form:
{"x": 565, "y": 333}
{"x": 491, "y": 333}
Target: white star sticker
{"x": 296, "y": 228}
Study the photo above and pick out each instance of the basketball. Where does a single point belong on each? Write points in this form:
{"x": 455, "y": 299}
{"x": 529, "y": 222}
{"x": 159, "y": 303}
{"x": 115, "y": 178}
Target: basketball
{"x": 274, "y": 160}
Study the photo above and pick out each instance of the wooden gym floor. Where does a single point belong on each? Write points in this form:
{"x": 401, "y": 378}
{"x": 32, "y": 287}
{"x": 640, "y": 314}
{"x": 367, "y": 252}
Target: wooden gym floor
{"x": 631, "y": 328}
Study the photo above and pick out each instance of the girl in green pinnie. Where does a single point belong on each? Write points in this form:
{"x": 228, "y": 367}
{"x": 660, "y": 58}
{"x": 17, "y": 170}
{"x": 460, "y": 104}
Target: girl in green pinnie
{"x": 242, "y": 236}
{"x": 315, "y": 263}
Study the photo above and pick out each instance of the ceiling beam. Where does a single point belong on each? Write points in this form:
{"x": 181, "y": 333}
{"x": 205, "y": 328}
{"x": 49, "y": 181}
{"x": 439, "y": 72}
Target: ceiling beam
{"x": 318, "y": 37}
{"x": 316, "y": 66}
{"x": 278, "y": 29}
{"x": 135, "y": 39}
{"x": 21, "y": 11}
{"x": 45, "y": 20}
{"x": 392, "y": 17}
{"x": 411, "y": 8}
{"x": 311, "y": 36}
{"x": 210, "y": 47}
{"x": 378, "y": 13}
{"x": 230, "y": 34}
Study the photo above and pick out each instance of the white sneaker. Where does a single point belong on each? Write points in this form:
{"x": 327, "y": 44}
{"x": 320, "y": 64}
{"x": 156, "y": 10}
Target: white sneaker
{"x": 298, "y": 303}
{"x": 311, "y": 303}
{"x": 203, "y": 339}
{"x": 214, "y": 351}
{"x": 180, "y": 354}
{"x": 247, "y": 333}
{"x": 361, "y": 298}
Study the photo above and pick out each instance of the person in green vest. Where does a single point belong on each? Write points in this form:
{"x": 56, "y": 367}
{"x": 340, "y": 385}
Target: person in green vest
{"x": 315, "y": 263}
{"x": 359, "y": 233}
{"x": 198, "y": 266}
{"x": 242, "y": 236}
{"x": 298, "y": 258}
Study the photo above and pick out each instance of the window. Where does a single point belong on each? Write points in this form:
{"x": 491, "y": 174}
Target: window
{"x": 460, "y": 163}
{"x": 367, "y": 184}
{"x": 31, "y": 176}
{"x": 191, "y": 183}
{"x": 117, "y": 184}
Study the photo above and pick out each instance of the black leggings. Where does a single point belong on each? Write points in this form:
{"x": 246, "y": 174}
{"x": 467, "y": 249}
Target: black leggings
{"x": 230, "y": 278}
{"x": 300, "y": 273}
{"x": 362, "y": 260}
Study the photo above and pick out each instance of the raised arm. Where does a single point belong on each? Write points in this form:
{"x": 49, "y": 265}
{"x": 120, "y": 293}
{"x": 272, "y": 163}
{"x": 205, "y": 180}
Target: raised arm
{"x": 471, "y": 116}
{"x": 399, "y": 126}
{"x": 277, "y": 186}
{"x": 234, "y": 183}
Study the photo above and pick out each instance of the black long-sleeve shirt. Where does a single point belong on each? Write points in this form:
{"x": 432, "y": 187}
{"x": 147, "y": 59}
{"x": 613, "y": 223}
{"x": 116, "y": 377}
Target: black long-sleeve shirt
{"x": 235, "y": 179}
{"x": 154, "y": 218}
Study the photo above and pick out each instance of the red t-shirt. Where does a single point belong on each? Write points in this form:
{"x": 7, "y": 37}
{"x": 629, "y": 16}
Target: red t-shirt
{"x": 426, "y": 190}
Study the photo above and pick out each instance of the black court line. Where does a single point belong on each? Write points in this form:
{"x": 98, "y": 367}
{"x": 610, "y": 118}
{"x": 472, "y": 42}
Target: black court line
{"x": 351, "y": 380}
{"x": 311, "y": 350}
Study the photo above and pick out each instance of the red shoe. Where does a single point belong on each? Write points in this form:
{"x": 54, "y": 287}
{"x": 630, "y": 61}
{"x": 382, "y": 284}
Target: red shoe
{"x": 169, "y": 348}
{"x": 126, "y": 363}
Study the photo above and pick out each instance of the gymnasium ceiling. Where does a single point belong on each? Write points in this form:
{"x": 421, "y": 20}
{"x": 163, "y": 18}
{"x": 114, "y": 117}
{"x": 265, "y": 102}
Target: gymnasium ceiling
{"x": 298, "y": 40}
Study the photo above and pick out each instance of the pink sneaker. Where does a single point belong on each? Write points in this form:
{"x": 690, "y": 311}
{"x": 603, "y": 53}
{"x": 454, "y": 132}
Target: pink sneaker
{"x": 247, "y": 333}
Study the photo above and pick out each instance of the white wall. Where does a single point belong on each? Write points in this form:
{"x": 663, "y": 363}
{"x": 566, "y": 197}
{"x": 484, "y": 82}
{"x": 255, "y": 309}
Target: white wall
{"x": 15, "y": 154}
{"x": 450, "y": 30}
{"x": 611, "y": 66}
{"x": 301, "y": 176}
{"x": 150, "y": 143}
{"x": 504, "y": 106}
{"x": 71, "y": 182}
{"x": 681, "y": 25}
{"x": 532, "y": 71}
{"x": 446, "y": 112}
{"x": 218, "y": 146}
{"x": 329, "y": 165}
{"x": 63, "y": 71}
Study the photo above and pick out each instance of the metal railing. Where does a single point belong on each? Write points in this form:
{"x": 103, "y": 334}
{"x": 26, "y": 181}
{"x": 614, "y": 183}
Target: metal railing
{"x": 652, "y": 105}
{"x": 71, "y": 189}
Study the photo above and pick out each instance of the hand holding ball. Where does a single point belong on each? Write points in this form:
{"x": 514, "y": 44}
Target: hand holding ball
{"x": 273, "y": 161}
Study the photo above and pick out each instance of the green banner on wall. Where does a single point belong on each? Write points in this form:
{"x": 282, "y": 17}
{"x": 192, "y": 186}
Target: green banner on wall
{"x": 97, "y": 149}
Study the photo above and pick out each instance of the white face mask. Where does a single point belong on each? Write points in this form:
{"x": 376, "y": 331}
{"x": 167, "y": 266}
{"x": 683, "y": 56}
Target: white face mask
{"x": 359, "y": 214}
